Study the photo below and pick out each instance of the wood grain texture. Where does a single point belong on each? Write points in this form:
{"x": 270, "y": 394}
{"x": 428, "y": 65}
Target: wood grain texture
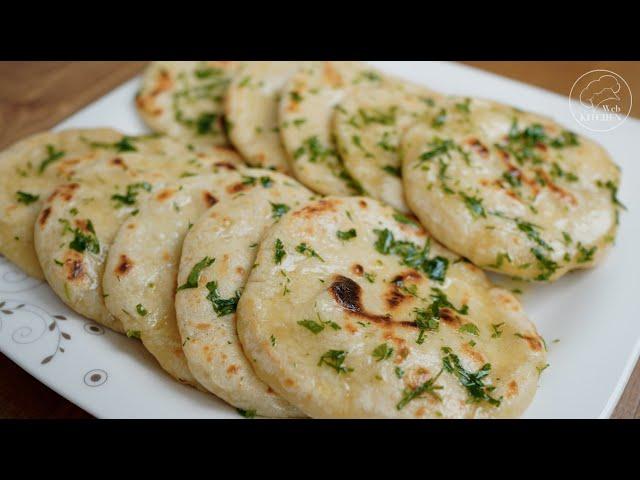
{"x": 35, "y": 96}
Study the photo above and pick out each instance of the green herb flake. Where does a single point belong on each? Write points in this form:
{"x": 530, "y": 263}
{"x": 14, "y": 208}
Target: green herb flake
{"x": 472, "y": 381}
{"x": 279, "y": 252}
{"x": 427, "y": 388}
{"x": 382, "y": 352}
{"x": 247, "y": 413}
{"x": 307, "y": 251}
{"x": 52, "y": 156}
{"x": 335, "y": 359}
{"x": 347, "y": 235}
{"x": 278, "y": 210}
{"x": 133, "y": 334}
{"x": 141, "y": 310}
{"x": 469, "y": 328}
{"x": 496, "y": 329}
{"x": 26, "y": 198}
{"x": 192, "y": 279}
{"x": 221, "y": 306}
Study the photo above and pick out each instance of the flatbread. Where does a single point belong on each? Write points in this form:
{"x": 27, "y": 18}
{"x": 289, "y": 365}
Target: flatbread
{"x": 185, "y": 100}
{"x": 142, "y": 265}
{"x": 306, "y": 110}
{"x": 31, "y": 168}
{"x": 514, "y": 192}
{"x": 229, "y": 233}
{"x": 347, "y": 315}
{"x": 368, "y": 125}
{"x": 252, "y": 110}
{"x": 79, "y": 220}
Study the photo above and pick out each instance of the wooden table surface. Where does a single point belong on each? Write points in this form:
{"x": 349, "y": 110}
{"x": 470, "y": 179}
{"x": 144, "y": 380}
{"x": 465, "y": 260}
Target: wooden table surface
{"x": 35, "y": 96}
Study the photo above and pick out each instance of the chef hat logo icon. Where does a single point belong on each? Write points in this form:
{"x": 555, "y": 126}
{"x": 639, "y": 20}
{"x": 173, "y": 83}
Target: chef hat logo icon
{"x": 603, "y": 90}
{"x": 600, "y": 100}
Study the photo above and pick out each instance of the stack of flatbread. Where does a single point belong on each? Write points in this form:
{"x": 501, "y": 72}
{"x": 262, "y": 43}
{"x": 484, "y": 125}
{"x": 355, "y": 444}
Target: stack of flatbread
{"x": 309, "y": 239}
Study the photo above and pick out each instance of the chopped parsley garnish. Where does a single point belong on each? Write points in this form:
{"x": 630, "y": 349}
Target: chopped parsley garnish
{"x": 265, "y": 181}
{"x": 427, "y": 388}
{"x": 347, "y": 235}
{"x": 443, "y": 148}
{"x": 474, "y": 205}
{"x": 307, "y": 251}
{"x": 401, "y": 218}
{"x": 133, "y": 334}
{"x": 194, "y": 275}
{"x": 335, "y": 359}
{"x": 391, "y": 170}
{"x": 141, "y": 310}
{"x": 472, "y": 381}
{"x": 382, "y": 352}
{"x": 585, "y": 254}
{"x": 222, "y": 306}
{"x": 313, "y": 326}
{"x": 531, "y": 231}
{"x": 278, "y": 210}
{"x": 279, "y": 252}
{"x": 469, "y": 328}
{"x": 496, "y": 330}
{"x": 82, "y": 241}
{"x": 123, "y": 145}
{"x": 428, "y": 319}
{"x": 26, "y": 198}
{"x": 132, "y": 193}
{"x": 399, "y": 372}
{"x": 545, "y": 264}
{"x": 412, "y": 255}
{"x": 247, "y": 413}
{"x": 613, "y": 189}
{"x": 52, "y": 156}
{"x": 317, "y": 327}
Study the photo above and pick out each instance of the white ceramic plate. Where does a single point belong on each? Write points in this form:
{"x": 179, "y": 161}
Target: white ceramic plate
{"x": 593, "y": 314}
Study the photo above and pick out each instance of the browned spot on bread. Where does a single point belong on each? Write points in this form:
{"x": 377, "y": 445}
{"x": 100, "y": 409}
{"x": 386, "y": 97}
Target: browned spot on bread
{"x": 166, "y": 256}
{"x": 124, "y": 265}
{"x": 131, "y": 226}
{"x": 44, "y": 216}
{"x": 238, "y": 187}
{"x": 225, "y": 165}
{"x": 395, "y": 295}
{"x": 561, "y": 192}
{"x": 209, "y": 199}
{"x": 417, "y": 376}
{"x": 450, "y": 318}
{"x": 163, "y": 83}
{"x": 240, "y": 270}
{"x": 509, "y": 302}
{"x": 403, "y": 353}
{"x": 232, "y": 370}
{"x": 82, "y": 225}
{"x": 289, "y": 383}
{"x": 512, "y": 389}
{"x": 64, "y": 191}
{"x": 202, "y": 326}
{"x": 347, "y": 295}
{"x": 350, "y": 327}
{"x": 118, "y": 162}
{"x": 363, "y": 204}
{"x": 357, "y": 269}
{"x": 317, "y": 208}
{"x": 270, "y": 391}
{"x": 331, "y": 75}
{"x": 420, "y": 412}
{"x": 477, "y": 146}
{"x": 473, "y": 354}
{"x": 74, "y": 266}
{"x": 534, "y": 342}
{"x": 165, "y": 194}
